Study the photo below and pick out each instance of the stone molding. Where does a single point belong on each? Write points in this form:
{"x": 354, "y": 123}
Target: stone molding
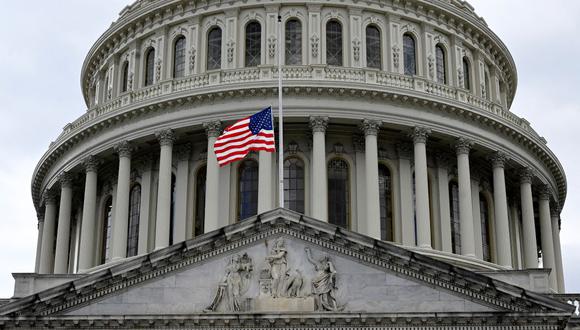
{"x": 463, "y": 146}
{"x": 370, "y": 127}
{"x": 318, "y": 124}
{"x": 213, "y": 128}
{"x": 420, "y": 134}
{"x": 123, "y": 149}
{"x": 165, "y": 137}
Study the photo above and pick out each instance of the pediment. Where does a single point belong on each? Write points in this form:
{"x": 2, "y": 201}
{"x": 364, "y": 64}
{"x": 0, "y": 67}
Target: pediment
{"x": 281, "y": 262}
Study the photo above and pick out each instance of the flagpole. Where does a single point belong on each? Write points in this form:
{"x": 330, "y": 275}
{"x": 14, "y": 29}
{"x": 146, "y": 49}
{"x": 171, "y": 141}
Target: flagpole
{"x": 280, "y": 120}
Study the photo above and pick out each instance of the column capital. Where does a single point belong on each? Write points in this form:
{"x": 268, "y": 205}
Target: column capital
{"x": 419, "y": 134}
{"x": 463, "y": 146}
{"x": 183, "y": 151}
{"x": 318, "y": 124}
{"x": 370, "y": 127}
{"x": 526, "y": 175}
{"x": 65, "y": 179}
{"x": 91, "y": 163}
{"x": 49, "y": 197}
{"x": 358, "y": 143}
{"x": 545, "y": 192}
{"x": 404, "y": 150}
{"x": 40, "y": 216}
{"x": 498, "y": 159}
{"x": 213, "y": 128}
{"x": 123, "y": 149}
{"x": 166, "y": 137}
{"x": 554, "y": 211}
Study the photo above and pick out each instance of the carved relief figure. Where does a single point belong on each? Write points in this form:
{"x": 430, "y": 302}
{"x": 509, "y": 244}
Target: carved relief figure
{"x": 294, "y": 284}
{"x": 278, "y": 267}
{"x": 324, "y": 283}
{"x": 234, "y": 284}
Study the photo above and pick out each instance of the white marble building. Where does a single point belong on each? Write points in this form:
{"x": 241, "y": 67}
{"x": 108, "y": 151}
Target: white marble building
{"x": 403, "y": 165}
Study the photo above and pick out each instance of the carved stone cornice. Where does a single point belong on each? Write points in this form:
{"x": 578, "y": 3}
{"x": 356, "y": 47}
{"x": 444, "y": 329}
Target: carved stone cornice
{"x": 405, "y": 150}
{"x": 123, "y": 149}
{"x": 420, "y": 134}
{"x": 318, "y": 124}
{"x": 370, "y": 127}
{"x": 358, "y": 143}
{"x": 526, "y": 175}
{"x": 91, "y": 163}
{"x": 183, "y": 151}
{"x": 165, "y": 137}
{"x": 66, "y": 180}
{"x": 213, "y": 128}
{"x": 463, "y": 146}
{"x": 498, "y": 159}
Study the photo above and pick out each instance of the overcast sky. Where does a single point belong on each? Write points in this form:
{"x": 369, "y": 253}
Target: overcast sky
{"x": 45, "y": 42}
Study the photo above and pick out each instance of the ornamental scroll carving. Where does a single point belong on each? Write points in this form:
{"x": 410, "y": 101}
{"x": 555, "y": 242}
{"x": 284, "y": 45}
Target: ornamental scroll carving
{"x": 272, "y": 46}
{"x": 356, "y": 49}
{"x": 396, "y": 56}
{"x": 230, "y": 51}
{"x": 431, "y": 64}
{"x": 314, "y": 41}
{"x": 192, "y": 52}
{"x": 158, "y": 70}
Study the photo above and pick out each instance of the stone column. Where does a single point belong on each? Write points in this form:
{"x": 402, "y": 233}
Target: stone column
{"x": 88, "y": 226}
{"x": 557, "y": 248}
{"x": 406, "y": 191}
{"x": 162, "y": 220}
{"x": 517, "y": 243}
{"x": 213, "y": 130}
{"x": 265, "y": 175}
{"x": 120, "y": 224}
{"x": 47, "y": 250}
{"x": 145, "y": 208}
{"x": 40, "y": 228}
{"x": 358, "y": 143}
{"x": 63, "y": 233}
{"x": 476, "y": 212}
{"x": 319, "y": 182}
{"x": 465, "y": 208}
{"x": 548, "y": 259}
{"x": 502, "y": 227}
{"x": 529, "y": 228}
{"x": 371, "y": 224}
{"x": 420, "y": 135}
{"x": 444, "y": 210}
{"x": 181, "y": 183}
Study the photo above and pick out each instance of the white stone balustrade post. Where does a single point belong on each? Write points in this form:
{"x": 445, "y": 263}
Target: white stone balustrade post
{"x": 555, "y": 213}
{"x": 548, "y": 259}
{"x": 420, "y": 135}
{"x": 371, "y": 224}
{"x": 502, "y": 225}
{"x": 529, "y": 228}
{"x": 162, "y": 220}
{"x": 462, "y": 149}
{"x": 213, "y": 130}
{"x": 48, "y": 231}
{"x": 120, "y": 225}
{"x": 88, "y": 225}
{"x": 319, "y": 183}
{"x": 63, "y": 227}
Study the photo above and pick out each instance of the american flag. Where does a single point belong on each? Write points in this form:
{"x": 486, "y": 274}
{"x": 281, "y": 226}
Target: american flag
{"x": 251, "y": 133}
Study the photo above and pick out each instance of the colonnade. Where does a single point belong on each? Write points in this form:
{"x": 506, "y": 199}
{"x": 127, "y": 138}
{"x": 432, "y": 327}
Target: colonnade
{"x": 53, "y": 254}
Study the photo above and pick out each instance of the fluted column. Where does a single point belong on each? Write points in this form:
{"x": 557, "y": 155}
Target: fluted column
{"x": 420, "y": 135}
{"x": 557, "y": 248}
{"x": 548, "y": 259}
{"x": 120, "y": 225}
{"x": 162, "y": 221}
{"x": 265, "y": 186}
{"x": 371, "y": 224}
{"x": 181, "y": 182}
{"x": 88, "y": 226}
{"x": 63, "y": 233}
{"x": 465, "y": 208}
{"x": 444, "y": 211}
{"x": 529, "y": 228}
{"x": 406, "y": 181}
{"x": 502, "y": 226}
{"x": 213, "y": 130}
{"x": 319, "y": 184}
{"x": 40, "y": 228}
{"x": 48, "y": 231}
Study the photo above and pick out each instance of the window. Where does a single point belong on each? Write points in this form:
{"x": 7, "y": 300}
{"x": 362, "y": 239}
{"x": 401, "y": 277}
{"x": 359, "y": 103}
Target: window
{"x": 409, "y": 55}
{"x": 466, "y": 74}
{"x": 172, "y": 211}
{"x": 248, "y": 189}
{"x": 455, "y": 225}
{"x": 485, "y": 227}
{"x": 386, "y": 203}
{"x": 440, "y": 64}
{"x": 294, "y": 184}
{"x": 149, "y": 66}
{"x": 134, "y": 215}
{"x": 253, "y": 44}
{"x": 106, "y": 229}
{"x": 125, "y": 77}
{"x": 179, "y": 57}
{"x": 373, "y": 47}
{"x": 338, "y": 192}
{"x": 200, "y": 180}
{"x": 214, "y": 48}
{"x": 293, "y": 42}
{"x": 334, "y": 43}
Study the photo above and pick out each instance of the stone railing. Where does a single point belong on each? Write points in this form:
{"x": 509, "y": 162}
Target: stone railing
{"x": 318, "y": 73}
{"x": 572, "y": 299}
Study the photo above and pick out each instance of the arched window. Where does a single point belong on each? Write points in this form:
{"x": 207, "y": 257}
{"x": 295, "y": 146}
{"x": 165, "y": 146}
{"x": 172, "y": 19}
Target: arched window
{"x": 125, "y": 77}
{"x": 440, "y": 64}
{"x": 200, "y": 180}
{"x": 149, "y": 66}
{"x": 172, "y": 211}
{"x": 386, "y": 203}
{"x": 334, "y": 43}
{"x": 485, "y": 227}
{"x": 248, "y": 189}
{"x": 466, "y": 74}
{"x": 179, "y": 57}
{"x": 106, "y": 229}
{"x": 409, "y": 55}
{"x": 214, "y": 48}
{"x": 454, "y": 210}
{"x": 134, "y": 215}
{"x": 293, "y": 42}
{"x": 338, "y": 192}
{"x": 373, "y": 37}
{"x": 294, "y": 184}
{"x": 253, "y": 44}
